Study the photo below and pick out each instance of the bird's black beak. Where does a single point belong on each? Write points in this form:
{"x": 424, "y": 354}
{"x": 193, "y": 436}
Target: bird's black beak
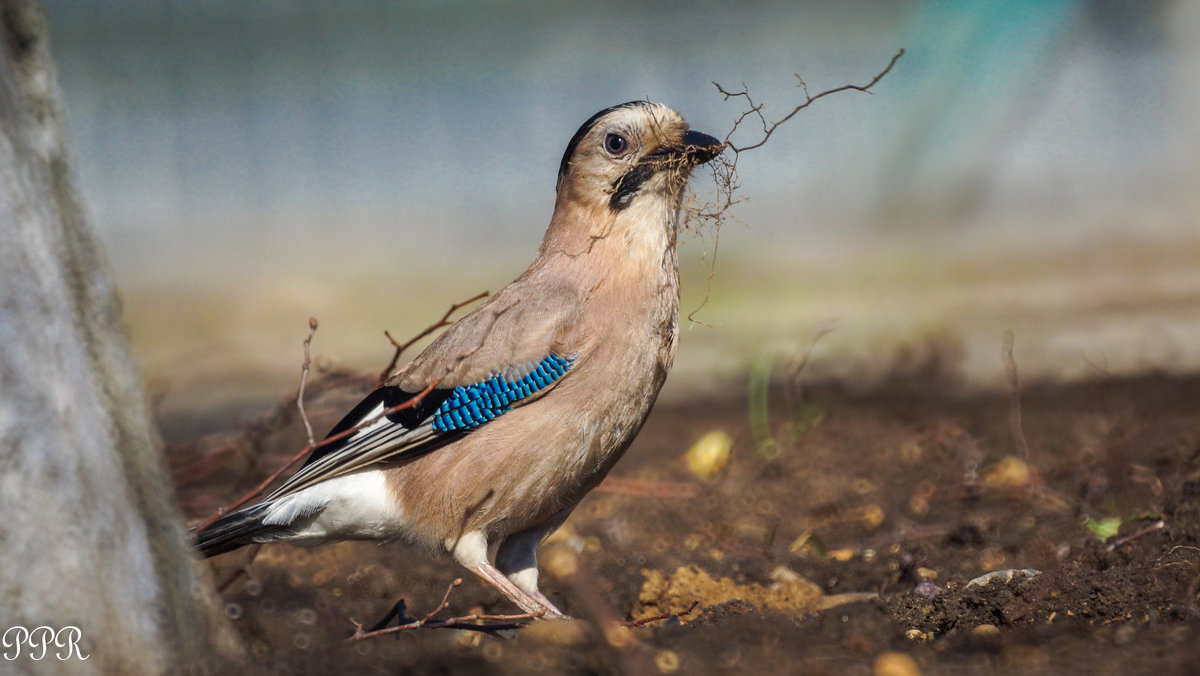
{"x": 700, "y": 148}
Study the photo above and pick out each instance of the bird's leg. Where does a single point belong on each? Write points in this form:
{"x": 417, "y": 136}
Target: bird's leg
{"x": 517, "y": 558}
{"x": 527, "y": 602}
{"x": 470, "y": 550}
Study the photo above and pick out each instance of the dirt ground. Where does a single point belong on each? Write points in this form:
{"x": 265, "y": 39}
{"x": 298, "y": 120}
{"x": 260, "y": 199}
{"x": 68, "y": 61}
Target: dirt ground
{"x": 842, "y": 537}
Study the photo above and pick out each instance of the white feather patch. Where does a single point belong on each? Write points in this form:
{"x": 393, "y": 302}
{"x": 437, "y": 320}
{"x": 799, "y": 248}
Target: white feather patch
{"x": 354, "y": 506}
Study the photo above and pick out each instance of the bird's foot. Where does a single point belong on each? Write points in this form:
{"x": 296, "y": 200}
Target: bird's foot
{"x": 399, "y": 612}
{"x": 552, "y": 613}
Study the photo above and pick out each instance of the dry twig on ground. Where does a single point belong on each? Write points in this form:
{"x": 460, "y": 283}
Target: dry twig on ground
{"x": 1014, "y": 403}
{"x": 491, "y": 623}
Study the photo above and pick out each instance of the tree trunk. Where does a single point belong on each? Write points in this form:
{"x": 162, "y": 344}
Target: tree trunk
{"x": 89, "y": 534}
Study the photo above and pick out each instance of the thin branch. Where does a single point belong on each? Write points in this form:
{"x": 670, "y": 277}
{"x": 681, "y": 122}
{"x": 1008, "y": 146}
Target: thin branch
{"x": 770, "y": 127}
{"x": 1014, "y": 400}
{"x": 444, "y": 321}
{"x": 406, "y": 623}
{"x": 445, "y": 600}
{"x": 660, "y": 618}
{"x": 257, "y": 490}
{"x": 312, "y": 330}
{"x": 712, "y": 271}
{"x": 724, "y": 167}
{"x": 243, "y": 568}
{"x": 794, "y": 392}
{"x": 1126, "y": 539}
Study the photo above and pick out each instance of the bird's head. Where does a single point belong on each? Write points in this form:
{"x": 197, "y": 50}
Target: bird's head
{"x": 637, "y": 152}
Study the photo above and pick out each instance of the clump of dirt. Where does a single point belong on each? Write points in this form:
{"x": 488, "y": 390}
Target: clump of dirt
{"x": 847, "y": 541}
{"x": 663, "y": 594}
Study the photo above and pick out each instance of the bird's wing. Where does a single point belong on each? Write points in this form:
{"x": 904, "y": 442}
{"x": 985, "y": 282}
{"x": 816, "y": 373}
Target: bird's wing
{"x": 518, "y": 326}
{"x": 506, "y": 353}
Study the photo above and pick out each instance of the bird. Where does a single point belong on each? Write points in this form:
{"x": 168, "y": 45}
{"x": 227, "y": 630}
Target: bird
{"x": 488, "y": 439}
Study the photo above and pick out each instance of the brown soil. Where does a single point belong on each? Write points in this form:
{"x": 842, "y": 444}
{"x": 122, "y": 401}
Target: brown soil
{"x": 847, "y": 535}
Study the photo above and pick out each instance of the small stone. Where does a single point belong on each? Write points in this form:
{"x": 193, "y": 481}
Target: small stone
{"x": 927, "y": 590}
{"x": 1009, "y": 472}
{"x": 709, "y": 454}
{"x": 916, "y": 635}
{"x": 843, "y": 554}
{"x": 1007, "y": 575}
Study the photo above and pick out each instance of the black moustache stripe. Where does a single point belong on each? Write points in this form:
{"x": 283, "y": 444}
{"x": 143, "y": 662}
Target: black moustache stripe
{"x": 625, "y": 187}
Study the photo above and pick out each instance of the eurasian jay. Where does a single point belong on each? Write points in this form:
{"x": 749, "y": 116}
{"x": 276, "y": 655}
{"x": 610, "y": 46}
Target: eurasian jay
{"x": 521, "y": 407}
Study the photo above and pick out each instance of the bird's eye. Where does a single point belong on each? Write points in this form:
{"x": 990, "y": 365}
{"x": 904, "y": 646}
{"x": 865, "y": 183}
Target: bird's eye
{"x": 615, "y": 144}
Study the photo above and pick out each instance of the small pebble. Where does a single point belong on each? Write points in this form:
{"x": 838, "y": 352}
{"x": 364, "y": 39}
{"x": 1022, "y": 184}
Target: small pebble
{"x": 1007, "y": 575}
{"x": 1009, "y": 472}
{"x": 710, "y": 454}
{"x": 916, "y": 635}
{"x": 843, "y": 554}
{"x": 927, "y": 590}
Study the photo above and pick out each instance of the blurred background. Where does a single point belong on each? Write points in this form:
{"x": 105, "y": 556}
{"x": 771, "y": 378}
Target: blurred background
{"x": 1028, "y": 165}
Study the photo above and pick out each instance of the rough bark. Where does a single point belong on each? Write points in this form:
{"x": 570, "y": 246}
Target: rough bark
{"x": 89, "y": 534}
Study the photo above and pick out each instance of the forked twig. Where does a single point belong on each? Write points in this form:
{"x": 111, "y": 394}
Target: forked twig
{"x": 444, "y": 321}
{"x": 500, "y": 622}
{"x": 243, "y": 568}
{"x": 445, "y": 600}
{"x": 1052, "y": 499}
{"x": 660, "y": 618}
{"x": 794, "y": 392}
{"x": 725, "y": 168}
{"x": 769, "y": 128}
{"x": 1014, "y": 398}
{"x": 1141, "y": 532}
{"x": 312, "y": 330}
{"x": 257, "y": 490}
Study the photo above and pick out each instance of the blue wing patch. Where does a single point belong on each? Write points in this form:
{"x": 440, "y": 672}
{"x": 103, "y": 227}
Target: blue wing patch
{"x": 470, "y": 406}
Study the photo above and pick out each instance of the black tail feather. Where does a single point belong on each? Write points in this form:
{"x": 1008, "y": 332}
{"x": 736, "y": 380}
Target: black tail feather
{"x": 231, "y": 531}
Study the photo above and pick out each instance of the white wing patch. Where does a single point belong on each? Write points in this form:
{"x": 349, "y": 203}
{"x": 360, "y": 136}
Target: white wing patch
{"x": 354, "y": 506}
